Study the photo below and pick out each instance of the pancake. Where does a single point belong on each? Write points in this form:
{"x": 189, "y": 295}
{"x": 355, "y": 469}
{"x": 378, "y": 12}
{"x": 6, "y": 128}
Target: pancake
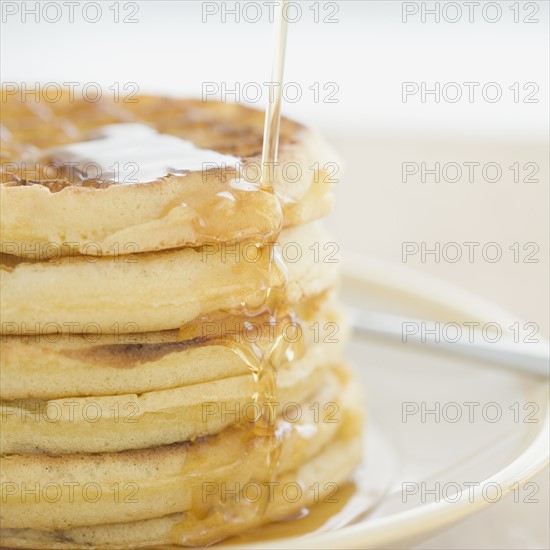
{"x": 169, "y": 479}
{"x": 118, "y": 422}
{"x": 138, "y": 400}
{"x": 217, "y": 202}
{"x": 328, "y": 472}
{"x": 57, "y": 365}
{"x": 162, "y": 290}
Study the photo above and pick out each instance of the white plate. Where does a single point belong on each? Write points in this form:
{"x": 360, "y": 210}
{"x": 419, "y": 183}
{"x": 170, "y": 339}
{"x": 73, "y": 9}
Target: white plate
{"x": 471, "y": 459}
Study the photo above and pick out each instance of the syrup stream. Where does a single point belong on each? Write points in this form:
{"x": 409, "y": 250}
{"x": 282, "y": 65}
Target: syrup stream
{"x": 273, "y": 112}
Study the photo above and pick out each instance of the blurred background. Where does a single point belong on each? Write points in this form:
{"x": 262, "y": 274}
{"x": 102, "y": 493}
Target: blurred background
{"x": 438, "y": 112}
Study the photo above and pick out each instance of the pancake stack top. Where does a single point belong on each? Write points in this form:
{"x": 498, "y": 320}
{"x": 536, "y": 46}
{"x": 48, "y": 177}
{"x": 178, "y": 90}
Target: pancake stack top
{"x": 171, "y": 361}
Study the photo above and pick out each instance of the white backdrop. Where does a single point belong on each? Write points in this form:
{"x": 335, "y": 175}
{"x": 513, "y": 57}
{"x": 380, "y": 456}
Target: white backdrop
{"x": 368, "y": 53}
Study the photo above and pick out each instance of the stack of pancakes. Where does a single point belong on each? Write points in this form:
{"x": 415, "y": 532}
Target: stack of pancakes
{"x": 172, "y": 347}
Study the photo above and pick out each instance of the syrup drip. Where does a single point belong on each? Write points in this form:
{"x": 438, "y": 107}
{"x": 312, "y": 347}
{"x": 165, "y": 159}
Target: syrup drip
{"x": 262, "y": 442}
{"x": 264, "y": 363}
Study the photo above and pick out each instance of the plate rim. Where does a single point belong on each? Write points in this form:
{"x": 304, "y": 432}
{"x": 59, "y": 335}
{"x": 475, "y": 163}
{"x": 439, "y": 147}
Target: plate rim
{"x": 371, "y": 273}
